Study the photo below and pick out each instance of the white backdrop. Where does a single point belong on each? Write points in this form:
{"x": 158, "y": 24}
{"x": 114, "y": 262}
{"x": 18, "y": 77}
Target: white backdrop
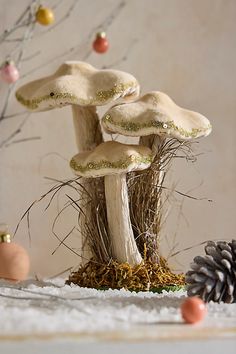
{"x": 185, "y": 48}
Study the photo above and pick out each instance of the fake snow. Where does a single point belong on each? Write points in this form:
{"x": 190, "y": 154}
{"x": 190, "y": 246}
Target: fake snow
{"x": 52, "y": 307}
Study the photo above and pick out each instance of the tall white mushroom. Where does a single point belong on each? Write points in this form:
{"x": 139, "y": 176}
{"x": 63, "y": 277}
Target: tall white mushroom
{"x": 114, "y": 160}
{"x": 83, "y": 87}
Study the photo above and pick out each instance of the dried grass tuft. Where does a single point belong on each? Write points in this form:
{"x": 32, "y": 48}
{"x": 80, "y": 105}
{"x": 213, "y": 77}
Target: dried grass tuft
{"x": 81, "y": 196}
{"x": 95, "y": 231}
{"x": 146, "y": 207}
{"x": 146, "y": 196}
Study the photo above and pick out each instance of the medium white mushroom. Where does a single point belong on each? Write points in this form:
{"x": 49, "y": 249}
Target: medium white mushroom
{"x": 156, "y": 113}
{"x": 113, "y": 160}
{"x": 83, "y": 87}
{"x": 155, "y": 117}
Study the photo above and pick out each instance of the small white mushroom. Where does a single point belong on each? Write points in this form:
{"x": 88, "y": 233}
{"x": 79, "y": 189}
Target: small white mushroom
{"x": 113, "y": 160}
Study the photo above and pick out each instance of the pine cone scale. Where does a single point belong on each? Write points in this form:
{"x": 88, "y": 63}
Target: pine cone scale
{"x": 218, "y": 290}
{"x": 227, "y": 255}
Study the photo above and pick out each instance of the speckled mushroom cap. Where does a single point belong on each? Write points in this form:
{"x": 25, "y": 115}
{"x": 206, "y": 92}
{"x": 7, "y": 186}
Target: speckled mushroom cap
{"x": 156, "y": 113}
{"x": 77, "y": 83}
{"x": 110, "y": 158}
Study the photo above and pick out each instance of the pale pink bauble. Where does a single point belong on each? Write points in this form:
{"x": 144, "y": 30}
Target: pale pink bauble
{"x": 14, "y": 262}
{"x": 9, "y": 73}
{"x": 193, "y": 310}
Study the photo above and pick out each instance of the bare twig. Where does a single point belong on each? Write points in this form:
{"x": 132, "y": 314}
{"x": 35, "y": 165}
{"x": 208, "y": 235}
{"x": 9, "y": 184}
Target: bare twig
{"x": 14, "y": 115}
{"x": 105, "y": 24}
{"x": 24, "y": 140}
{"x": 26, "y": 22}
{"x": 123, "y": 58}
{"x": 17, "y": 131}
{"x": 31, "y": 56}
{"x": 64, "y": 18}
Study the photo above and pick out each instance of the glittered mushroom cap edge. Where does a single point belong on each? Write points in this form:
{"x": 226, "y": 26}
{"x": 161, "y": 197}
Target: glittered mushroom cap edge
{"x": 111, "y": 158}
{"x": 156, "y": 113}
{"x": 80, "y": 84}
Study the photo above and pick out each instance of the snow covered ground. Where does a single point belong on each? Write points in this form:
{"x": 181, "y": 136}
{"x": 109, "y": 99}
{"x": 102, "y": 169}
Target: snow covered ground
{"x": 50, "y": 309}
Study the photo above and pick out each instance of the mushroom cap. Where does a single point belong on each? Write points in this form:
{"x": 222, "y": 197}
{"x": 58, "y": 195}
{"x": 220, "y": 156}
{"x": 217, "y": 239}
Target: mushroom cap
{"x": 77, "y": 83}
{"x": 156, "y": 113}
{"x": 111, "y": 158}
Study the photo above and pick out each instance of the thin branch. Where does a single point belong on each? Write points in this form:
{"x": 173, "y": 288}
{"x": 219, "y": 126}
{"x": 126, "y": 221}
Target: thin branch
{"x": 61, "y": 273}
{"x": 14, "y": 133}
{"x": 13, "y": 40}
{"x": 23, "y": 140}
{"x": 63, "y": 19}
{"x": 55, "y": 6}
{"x": 6, "y": 102}
{"x": 25, "y": 39}
{"x": 193, "y": 246}
{"x": 31, "y": 56}
{"x": 123, "y": 58}
{"x": 14, "y": 115}
{"x": 105, "y": 24}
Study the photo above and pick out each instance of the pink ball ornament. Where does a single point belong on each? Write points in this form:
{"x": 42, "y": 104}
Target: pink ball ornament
{"x": 9, "y": 72}
{"x": 193, "y": 310}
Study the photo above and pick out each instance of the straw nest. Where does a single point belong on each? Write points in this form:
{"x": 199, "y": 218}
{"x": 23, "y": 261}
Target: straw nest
{"x": 146, "y": 203}
{"x": 147, "y": 276}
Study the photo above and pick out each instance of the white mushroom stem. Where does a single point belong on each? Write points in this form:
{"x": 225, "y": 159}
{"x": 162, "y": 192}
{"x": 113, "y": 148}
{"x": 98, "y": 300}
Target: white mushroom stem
{"x": 154, "y": 142}
{"x": 87, "y": 127}
{"x": 88, "y": 136}
{"x": 147, "y": 140}
{"x": 124, "y": 248}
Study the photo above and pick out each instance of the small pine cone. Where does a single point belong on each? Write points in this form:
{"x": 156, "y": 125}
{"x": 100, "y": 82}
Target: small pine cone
{"x": 213, "y": 276}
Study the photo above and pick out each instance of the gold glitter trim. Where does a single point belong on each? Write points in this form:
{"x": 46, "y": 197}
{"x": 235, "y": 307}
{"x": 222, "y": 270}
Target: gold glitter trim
{"x": 34, "y": 103}
{"x": 100, "y": 96}
{"x": 170, "y": 125}
{"x": 103, "y": 164}
{"x": 104, "y": 95}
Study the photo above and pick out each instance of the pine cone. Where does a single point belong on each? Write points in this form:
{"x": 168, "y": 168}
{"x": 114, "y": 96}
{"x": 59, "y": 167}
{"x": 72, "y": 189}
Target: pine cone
{"x": 213, "y": 276}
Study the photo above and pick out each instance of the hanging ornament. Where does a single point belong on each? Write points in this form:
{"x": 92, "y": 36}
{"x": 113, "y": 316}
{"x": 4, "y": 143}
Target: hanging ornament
{"x": 213, "y": 276}
{"x": 101, "y": 44}
{"x": 14, "y": 260}
{"x": 193, "y": 310}
{"x": 44, "y": 16}
{"x": 9, "y": 72}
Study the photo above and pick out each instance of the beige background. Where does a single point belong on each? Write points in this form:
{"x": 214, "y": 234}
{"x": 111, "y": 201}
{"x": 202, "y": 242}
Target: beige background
{"x": 185, "y": 48}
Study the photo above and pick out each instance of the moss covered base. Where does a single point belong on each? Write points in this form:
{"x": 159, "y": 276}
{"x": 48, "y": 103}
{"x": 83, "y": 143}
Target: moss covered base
{"x": 146, "y": 276}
